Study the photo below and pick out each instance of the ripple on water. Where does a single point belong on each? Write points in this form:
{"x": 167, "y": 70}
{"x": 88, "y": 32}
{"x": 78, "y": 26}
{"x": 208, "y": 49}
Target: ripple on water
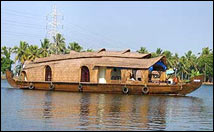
{"x": 45, "y": 110}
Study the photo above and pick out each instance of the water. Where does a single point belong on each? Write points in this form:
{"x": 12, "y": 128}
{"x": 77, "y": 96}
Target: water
{"x": 52, "y": 110}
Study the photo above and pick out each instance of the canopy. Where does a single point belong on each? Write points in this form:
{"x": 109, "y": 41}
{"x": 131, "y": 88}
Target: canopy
{"x": 160, "y": 64}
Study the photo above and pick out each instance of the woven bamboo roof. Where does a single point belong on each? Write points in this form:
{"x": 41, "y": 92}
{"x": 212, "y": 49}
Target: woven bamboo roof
{"x": 126, "y": 62}
{"x": 97, "y": 54}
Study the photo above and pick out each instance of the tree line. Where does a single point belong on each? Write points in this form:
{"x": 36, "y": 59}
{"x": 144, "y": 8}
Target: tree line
{"x": 187, "y": 66}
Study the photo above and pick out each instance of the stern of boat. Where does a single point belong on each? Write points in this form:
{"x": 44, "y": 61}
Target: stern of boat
{"x": 10, "y": 79}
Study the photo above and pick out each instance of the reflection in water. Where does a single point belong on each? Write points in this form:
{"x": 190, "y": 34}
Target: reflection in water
{"x": 157, "y": 113}
{"x": 88, "y": 111}
{"x": 84, "y": 110}
{"x": 47, "y": 107}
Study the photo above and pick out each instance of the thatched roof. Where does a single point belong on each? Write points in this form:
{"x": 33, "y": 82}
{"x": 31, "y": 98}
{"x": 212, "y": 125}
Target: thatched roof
{"x": 97, "y": 54}
{"x": 107, "y": 62}
{"x": 126, "y": 62}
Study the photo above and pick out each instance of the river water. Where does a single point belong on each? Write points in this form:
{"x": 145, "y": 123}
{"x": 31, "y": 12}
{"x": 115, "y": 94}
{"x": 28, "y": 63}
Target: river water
{"x": 52, "y": 110}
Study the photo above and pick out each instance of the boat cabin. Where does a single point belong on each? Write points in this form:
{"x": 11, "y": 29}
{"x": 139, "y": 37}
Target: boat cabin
{"x": 97, "y": 67}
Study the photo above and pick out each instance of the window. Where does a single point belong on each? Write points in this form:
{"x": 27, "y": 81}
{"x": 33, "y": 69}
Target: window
{"x": 23, "y": 76}
{"x": 116, "y": 74}
{"x": 135, "y": 75}
{"x": 48, "y": 73}
{"x": 85, "y": 76}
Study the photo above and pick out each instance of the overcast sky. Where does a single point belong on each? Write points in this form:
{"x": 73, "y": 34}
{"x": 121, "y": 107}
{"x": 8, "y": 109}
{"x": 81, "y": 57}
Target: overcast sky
{"x": 174, "y": 26}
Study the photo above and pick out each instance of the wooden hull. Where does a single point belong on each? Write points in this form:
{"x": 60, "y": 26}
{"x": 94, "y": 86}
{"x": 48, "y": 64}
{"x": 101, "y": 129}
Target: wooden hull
{"x": 177, "y": 89}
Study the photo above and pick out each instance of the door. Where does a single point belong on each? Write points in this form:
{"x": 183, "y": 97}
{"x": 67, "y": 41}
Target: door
{"x": 85, "y": 76}
{"x": 102, "y": 74}
{"x": 48, "y": 73}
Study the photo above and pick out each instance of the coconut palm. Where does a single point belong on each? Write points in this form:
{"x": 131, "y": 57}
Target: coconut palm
{"x": 33, "y": 52}
{"x": 58, "y": 46}
{"x": 169, "y": 61}
{"x": 89, "y": 50}
{"x": 20, "y": 52}
{"x": 205, "y": 63}
{"x": 6, "y": 62}
{"x": 74, "y": 46}
{"x": 45, "y": 48}
{"x": 159, "y": 51}
{"x": 143, "y": 50}
{"x": 182, "y": 67}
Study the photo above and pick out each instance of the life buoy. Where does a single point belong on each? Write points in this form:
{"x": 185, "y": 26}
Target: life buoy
{"x": 31, "y": 87}
{"x": 80, "y": 87}
{"x": 51, "y": 86}
{"x": 125, "y": 90}
{"x": 145, "y": 90}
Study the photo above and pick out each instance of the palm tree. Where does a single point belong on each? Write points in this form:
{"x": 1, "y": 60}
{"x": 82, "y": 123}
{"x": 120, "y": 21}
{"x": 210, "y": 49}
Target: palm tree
{"x": 191, "y": 63}
{"x": 183, "y": 67}
{"x": 33, "y": 52}
{"x": 205, "y": 63}
{"x": 74, "y": 46}
{"x": 20, "y": 52}
{"x": 159, "y": 51}
{"x": 206, "y": 51}
{"x": 6, "y": 62}
{"x": 89, "y": 50}
{"x": 45, "y": 48}
{"x": 142, "y": 50}
{"x": 168, "y": 55}
{"x": 59, "y": 44}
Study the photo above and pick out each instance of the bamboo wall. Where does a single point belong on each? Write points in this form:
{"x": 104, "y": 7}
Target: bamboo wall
{"x": 70, "y": 71}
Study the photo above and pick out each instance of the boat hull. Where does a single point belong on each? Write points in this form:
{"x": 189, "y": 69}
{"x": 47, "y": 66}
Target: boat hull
{"x": 149, "y": 89}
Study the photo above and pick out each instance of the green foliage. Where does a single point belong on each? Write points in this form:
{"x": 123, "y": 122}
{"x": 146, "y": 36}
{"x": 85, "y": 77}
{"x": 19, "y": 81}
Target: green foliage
{"x": 32, "y": 52}
{"x": 143, "y": 50}
{"x": 75, "y": 46}
{"x": 187, "y": 66}
{"x": 45, "y": 48}
{"x": 205, "y": 63}
{"x": 20, "y": 52}
{"x": 89, "y": 50}
{"x": 6, "y": 62}
{"x": 58, "y": 47}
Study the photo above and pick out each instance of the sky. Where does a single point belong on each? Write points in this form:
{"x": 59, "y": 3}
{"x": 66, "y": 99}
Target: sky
{"x": 174, "y": 26}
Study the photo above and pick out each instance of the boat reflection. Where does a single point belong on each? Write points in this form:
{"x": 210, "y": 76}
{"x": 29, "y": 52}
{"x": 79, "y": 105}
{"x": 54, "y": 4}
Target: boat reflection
{"x": 89, "y": 111}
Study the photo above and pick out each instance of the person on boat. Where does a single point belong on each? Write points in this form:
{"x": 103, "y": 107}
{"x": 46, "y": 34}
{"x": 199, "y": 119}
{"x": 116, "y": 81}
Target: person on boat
{"x": 175, "y": 80}
{"x": 132, "y": 77}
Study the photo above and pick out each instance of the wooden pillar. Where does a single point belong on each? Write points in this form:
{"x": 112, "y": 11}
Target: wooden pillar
{"x": 144, "y": 75}
{"x": 108, "y": 75}
{"x": 163, "y": 76}
{"x": 125, "y": 73}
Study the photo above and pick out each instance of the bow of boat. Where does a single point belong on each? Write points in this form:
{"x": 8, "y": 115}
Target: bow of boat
{"x": 193, "y": 85}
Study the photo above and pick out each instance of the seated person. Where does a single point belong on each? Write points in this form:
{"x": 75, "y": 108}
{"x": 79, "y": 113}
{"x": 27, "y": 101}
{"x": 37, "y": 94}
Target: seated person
{"x": 132, "y": 77}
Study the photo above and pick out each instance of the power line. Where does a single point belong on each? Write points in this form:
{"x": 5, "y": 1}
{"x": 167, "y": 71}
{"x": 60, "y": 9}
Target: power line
{"x": 12, "y": 13}
{"x": 24, "y": 34}
{"x": 20, "y": 22}
{"x": 18, "y": 12}
{"x": 52, "y": 27}
{"x": 23, "y": 25}
{"x": 103, "y": 39}
{"x": 18, "y": 15}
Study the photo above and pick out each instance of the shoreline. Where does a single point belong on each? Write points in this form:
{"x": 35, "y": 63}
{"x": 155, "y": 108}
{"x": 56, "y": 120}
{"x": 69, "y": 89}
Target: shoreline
{"x": 207, "y": 83}
{"x": 3, "y": 77}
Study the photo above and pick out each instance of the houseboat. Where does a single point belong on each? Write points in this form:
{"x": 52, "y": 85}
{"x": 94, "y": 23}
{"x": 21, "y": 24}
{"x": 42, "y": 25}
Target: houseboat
{"x": 101, "y": 71}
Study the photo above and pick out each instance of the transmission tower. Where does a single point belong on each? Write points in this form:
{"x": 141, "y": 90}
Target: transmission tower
{"x": 53, "y": 23}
